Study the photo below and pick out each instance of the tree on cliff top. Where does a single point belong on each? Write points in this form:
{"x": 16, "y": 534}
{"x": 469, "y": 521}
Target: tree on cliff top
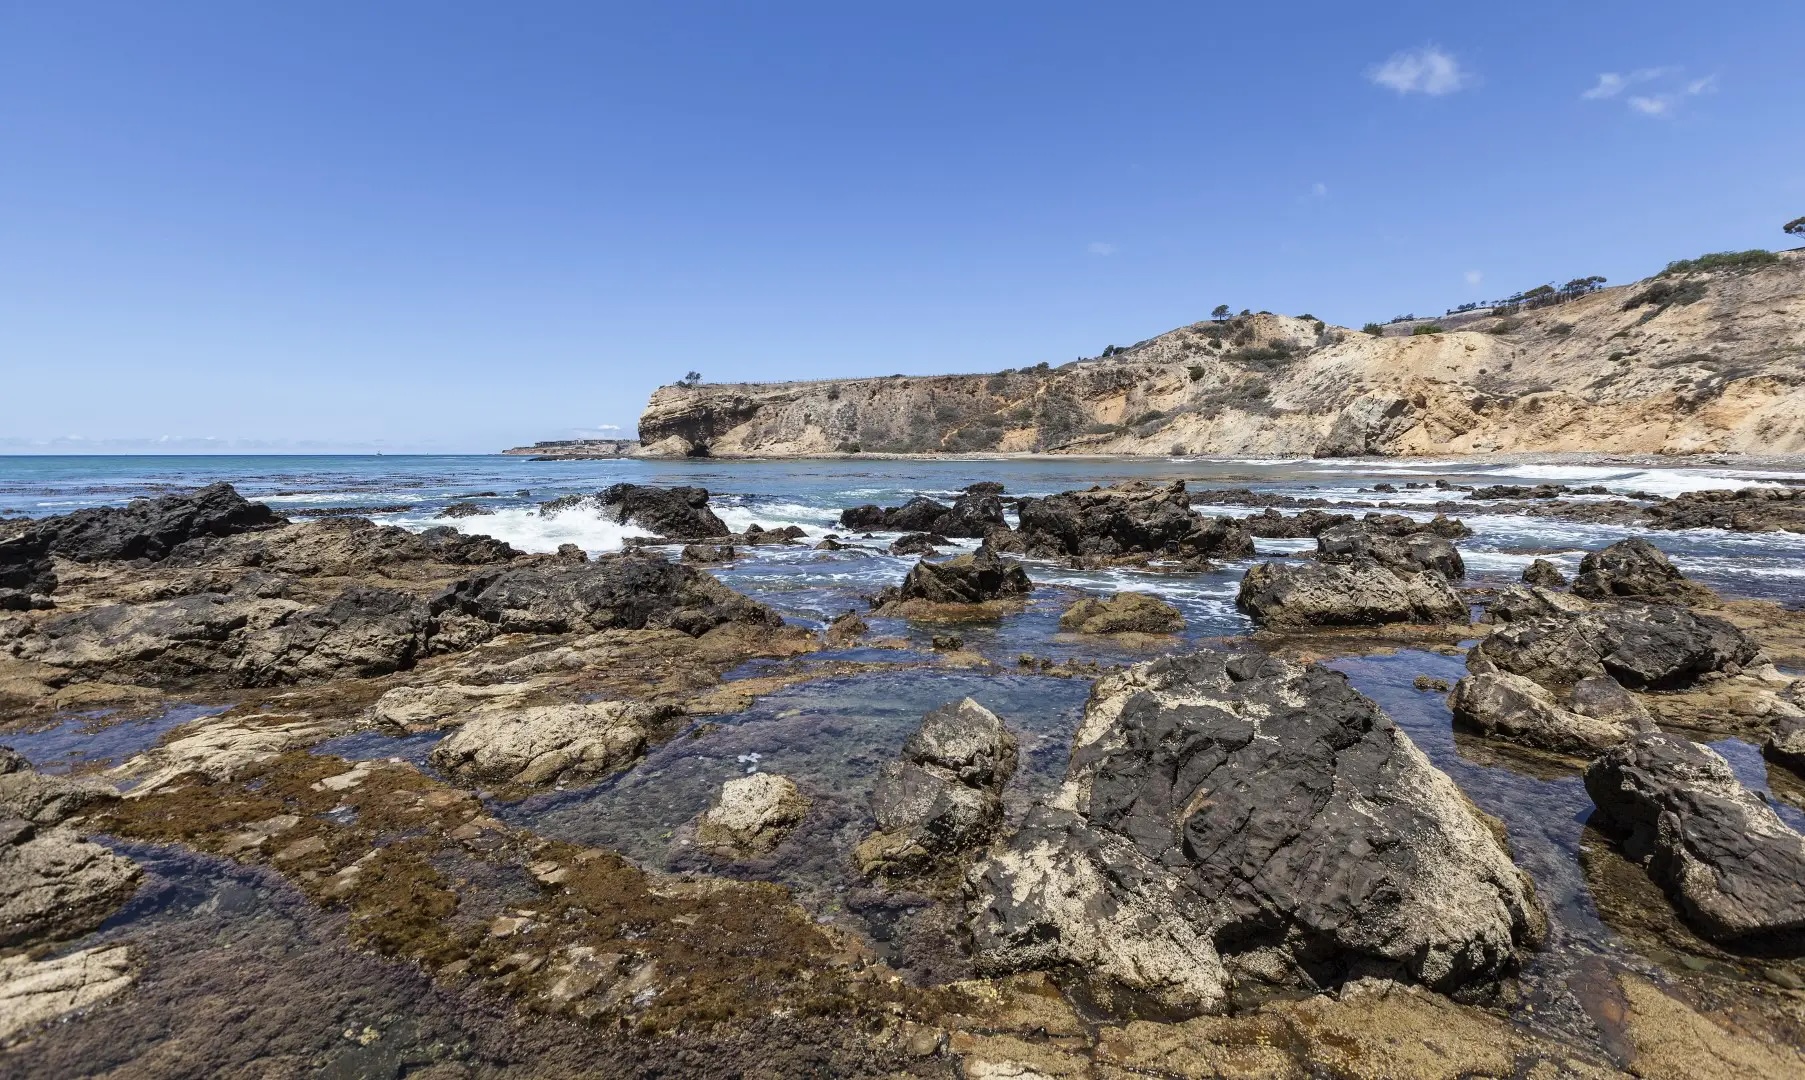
{"x": 1795, "y": 227}
{"x": 690, "y": 381}
{"x": 1220, "y": 313}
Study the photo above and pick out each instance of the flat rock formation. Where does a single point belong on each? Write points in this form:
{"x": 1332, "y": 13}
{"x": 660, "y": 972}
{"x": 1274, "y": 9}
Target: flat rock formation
{"x": 1682, "y": 363}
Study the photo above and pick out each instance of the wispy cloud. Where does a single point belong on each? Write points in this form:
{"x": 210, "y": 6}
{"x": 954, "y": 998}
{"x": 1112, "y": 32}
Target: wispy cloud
{"x": 1099, "y": 247}
{"x": 1665, "y": 90}
{"x": 1319, "y": 189}
{"x": 1429, "y": 70}
{"x": 1474, "y": 277}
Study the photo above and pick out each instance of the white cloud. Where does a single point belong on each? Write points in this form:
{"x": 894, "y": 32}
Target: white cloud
{"x": 1428, "y": 70}
{"x": 1099, "y": 247}
{"x": 1474, "y": 277}
{"x": 1319, "y": 189}
{"x": 1665, "y": 91}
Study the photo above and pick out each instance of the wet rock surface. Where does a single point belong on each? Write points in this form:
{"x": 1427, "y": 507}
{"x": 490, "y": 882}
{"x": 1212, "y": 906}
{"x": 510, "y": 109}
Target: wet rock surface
{"x": 943, "y": 797}
{"x": 1633, "y": 569}
{"x": 675, "y": 513}
{"x": 974, "y": 514}
{"x": 1409, "y": 552}
{"x": 1202, "y": 835}
{"x": 752, "y": 814}
{"x": 977, "y": 578}
{"x": 546, "y": 744}
{"x": 1510, "y": 707}
{"x": 1734, "y": 870}
{"x": 628, "y": 592}
{"x": 1128, "y": 519}
{"x": 55, "y": 885}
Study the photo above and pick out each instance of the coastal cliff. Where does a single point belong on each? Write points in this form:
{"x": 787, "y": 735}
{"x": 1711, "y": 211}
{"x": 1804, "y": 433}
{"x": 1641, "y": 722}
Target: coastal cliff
{"x": 1689, "y": 361}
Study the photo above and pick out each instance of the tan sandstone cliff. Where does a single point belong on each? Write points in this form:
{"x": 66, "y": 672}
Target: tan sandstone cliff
{"x": 1704, "y": 362}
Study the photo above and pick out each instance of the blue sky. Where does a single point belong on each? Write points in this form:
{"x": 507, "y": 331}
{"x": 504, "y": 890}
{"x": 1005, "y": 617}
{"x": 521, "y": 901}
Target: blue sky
{"x": 445, "y": 226}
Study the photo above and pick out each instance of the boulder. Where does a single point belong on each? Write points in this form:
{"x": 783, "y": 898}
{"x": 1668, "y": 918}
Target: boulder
{"x": 1129, "y": 612}
{"x": 1231, "y": 817}
{"x": 1634, "y": 569}
{"x": 1357, "y": 592}
{"x": 1409, "y": 552}
{"x": 707, "y": 553}
{"x": 1367, "y": 425}
{"x": 419, "y": 708}
{"x": 1544, "y": 574}
{"x": 752, "y": 814}
{"x": 944, "y": 796}
{"x": 361, "y": 633}
{"x": 1135, "y": 518}
{"x": 546, "y": 744}
{"x": 974, "y": 514}
{"x": 632, "y": 591}
{"x": 1270, "y": 524}
{"x": 1786, "y": 743}
{"x": 1748, "y": 509}
{"x": 142, "y": 529}
{"x": 1514, "y": 603}
{"x": 1504, "y": 706}
{"x": 846, "y": 629}
{"x": 55, "y": 885}
{"x": 1733, "y": 869}
{"x": 675, "y": 513}
{"x": 1642, "y": 646}
{"x": 976, "y": 578}
{"x": 983, "y": 487}
{"x": 464, "y": 510}
{"x": 918, "y": 544}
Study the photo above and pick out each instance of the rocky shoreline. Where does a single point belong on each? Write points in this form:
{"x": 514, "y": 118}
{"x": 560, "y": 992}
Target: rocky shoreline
{"x": 1243, "y": 865}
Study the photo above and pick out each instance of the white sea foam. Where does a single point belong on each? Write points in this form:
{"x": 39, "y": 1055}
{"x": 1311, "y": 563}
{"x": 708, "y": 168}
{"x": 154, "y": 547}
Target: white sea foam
{"x": 527, "y": 529}
{"x": 1655, "y": 481}
{"x": 774, "y": 515}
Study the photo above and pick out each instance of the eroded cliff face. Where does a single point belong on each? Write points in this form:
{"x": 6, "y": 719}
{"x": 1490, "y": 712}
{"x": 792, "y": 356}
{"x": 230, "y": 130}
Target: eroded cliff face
{"x": 1693, "y": 363}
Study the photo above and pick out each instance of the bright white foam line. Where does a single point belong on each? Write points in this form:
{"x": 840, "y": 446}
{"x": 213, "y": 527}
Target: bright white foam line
{"x": 530, "y": 531}
{"x": 1655, "y": 481}
{"x": 776, "y": 515}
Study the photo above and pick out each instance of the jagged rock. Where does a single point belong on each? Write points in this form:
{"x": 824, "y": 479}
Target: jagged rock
{"x": 964, "y": 579}
{"x": 757, "y": 534}
{"x": 34, "y": 992}
{"x": 1748, "y": 509}
{"x": 547, "y": 744}
{"x": 1604, "y": 698}
{"x": 1732, "y": 868}
{"x": 918, "y": 544}
{"x": 1642, "y": 646}
{"x": 1231, "y": 816}
{"x": 342, "y": 547}
{"x": 1544, "y": 574}
{"x": 1786, "y": 742}
{"x": 1514, "y": 603}
{"x": 1408, "y": 553}
{"x": 708, "y": 553}
{"x": 142, "y": 529}
{"x": 1500, "y": 705}
{"x": 1129, "y": 612}
{"x": 752, "y": 814}
{"x": 633, "y": 591}
{"x": 1358, "y": 592}
{"x": 464, "y": 510}
{"x": 1634, "y": 569}
{"x": 43, "y": 800}
{"x": 677, "y": 513}
{"x": 983, "y": 487}
{"x": 974, "y": 515}
{"x": 361, "y": 633}
{"x": 944, "y": 796}
{"x": 1270, "y": 524}
{"x": 846, "y": 629}
{"x": 55, "y": 885}
{"x": 1135, "y": 518}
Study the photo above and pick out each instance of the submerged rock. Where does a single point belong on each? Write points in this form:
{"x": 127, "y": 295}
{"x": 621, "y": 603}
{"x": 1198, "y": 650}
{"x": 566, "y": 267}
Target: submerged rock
{"x": 944, "y": 796}
{"x": 752, "y": 814}
{"x": 1135, "y": 518}
{"x": 1732, "y": 868}
{"x": 675, "y": 513}
{"x": 1408, "y": 552}
{"x": 1633, "y": 569}
{"x": 1510, "y": 707}
{"x": 1129, "y": 612}
{"x": 976, "y": 578}
{"x": 55, "y": 885}
{"x": 42, "y": 799}
{"x": 918, "y": 544}
{"x": 1358, "y": 592}
{"x": 1230, "y": 817}
{"x": 547, "y": 744}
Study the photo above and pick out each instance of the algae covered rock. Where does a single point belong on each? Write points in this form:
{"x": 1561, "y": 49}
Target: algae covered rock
{"x": 944, "y": 796}
{"x": 1129, "y": 612}
{"x": 752, "y": 814}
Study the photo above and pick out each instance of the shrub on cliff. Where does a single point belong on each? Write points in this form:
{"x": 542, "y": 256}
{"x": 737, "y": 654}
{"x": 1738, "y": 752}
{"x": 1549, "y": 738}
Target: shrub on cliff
{"x": 1425, "y": 330}
{"x": 1374, "y": 329}
{"x": 1722, "y": 260}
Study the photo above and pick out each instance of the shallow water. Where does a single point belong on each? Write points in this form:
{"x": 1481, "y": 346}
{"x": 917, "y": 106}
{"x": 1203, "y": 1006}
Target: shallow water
{"x": 94, "y": 740}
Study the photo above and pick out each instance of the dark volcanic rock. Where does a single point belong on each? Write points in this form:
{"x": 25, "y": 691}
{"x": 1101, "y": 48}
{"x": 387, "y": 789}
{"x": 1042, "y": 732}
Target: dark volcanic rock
{"x": 464, "y": 510}
{"x": 1129, "y": 519}
{"x": 944, "y": 796}
{"x": 964, "y": 579}
{"x": 1357, "y": 592}
{"x": 983, "y": 487}
{"x": 1786, "y": 743}
{"x": 1229, "y": 817}
{"x": 1634, "y": 569}
{"x": 1504, "y": 706}
{"x": 628, "y": 592}
{"x": 1642, "y": 646}
{"x": 973, "y": 515}
{"x": 677, "y": 513}
{"x": 1732, "y": 868}
{"x": 1741, "y": 510}
{"x": 1409, "y": 552}
{"x": 918, "y": 544}
{"x": 363, "y": 632}
{"x": 1544, "y": 574}
{"x": 1270, "y": 524}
